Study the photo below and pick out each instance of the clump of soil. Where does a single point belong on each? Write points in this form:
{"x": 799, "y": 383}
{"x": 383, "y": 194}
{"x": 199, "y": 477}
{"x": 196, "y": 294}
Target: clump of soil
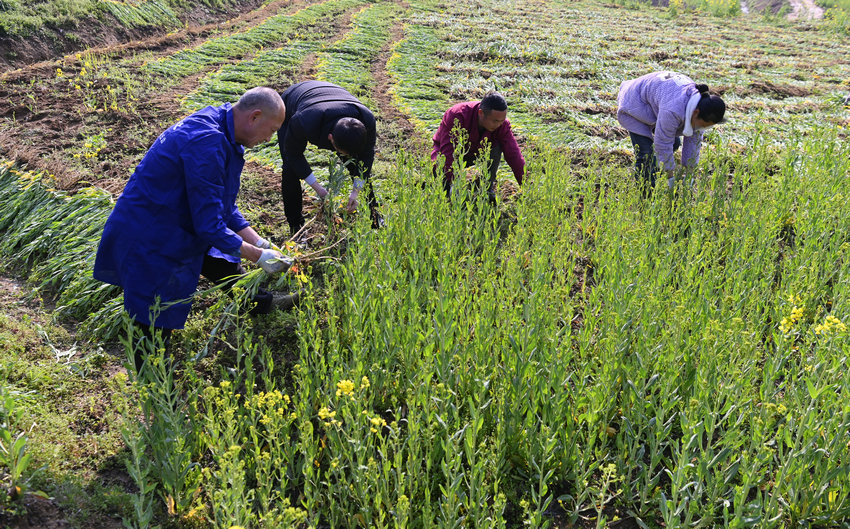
{"x": 780, "y": 91}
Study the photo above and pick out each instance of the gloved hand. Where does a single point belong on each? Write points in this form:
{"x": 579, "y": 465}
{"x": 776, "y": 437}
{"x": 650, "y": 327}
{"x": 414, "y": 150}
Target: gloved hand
{"x": 352, "y": 202}
{"x": 273, "y": 262}
{"x": 319, "y": 189}
{"x": 262, "y": 243}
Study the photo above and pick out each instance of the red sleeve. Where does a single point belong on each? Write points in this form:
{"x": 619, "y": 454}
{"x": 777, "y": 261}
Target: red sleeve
{"x": 443, "y": 141}
{"x": 511, "y": 151}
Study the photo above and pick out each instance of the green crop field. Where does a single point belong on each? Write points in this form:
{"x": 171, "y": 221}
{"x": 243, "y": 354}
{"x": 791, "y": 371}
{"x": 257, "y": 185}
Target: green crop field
{"x": 574, "y": 356}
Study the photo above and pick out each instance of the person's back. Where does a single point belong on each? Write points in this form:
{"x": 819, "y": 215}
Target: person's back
{"x": 331, "y": 118}
{"x": 156, "y": 196}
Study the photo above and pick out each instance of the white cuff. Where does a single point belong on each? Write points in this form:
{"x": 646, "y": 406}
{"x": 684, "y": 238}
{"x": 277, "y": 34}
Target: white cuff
{"x": 311, "y": 179}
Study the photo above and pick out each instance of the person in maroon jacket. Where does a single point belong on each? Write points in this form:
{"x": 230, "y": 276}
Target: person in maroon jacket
{"x": 482, "y": 120}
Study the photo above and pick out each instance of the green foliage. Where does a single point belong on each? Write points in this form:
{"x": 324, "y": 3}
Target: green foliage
{"x": 36, "y": 17}
{"x": 152, "y": 13}
{"x": 55, "y": 236}
{"x": 576, "y": 349}
{"x": 348, "y": 61}
{"x": 14, "y": 459}
{"x": 28, "y": 18}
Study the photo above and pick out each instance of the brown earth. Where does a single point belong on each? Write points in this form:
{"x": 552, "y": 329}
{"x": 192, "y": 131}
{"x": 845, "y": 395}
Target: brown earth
{"x": 45, "y": 116}
{"x": 17, "y": 52}
{"x": 406, "y": 134}
{"x": 775, "y": 90}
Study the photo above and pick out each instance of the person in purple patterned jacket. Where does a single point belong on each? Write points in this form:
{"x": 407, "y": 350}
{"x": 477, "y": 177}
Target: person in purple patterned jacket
{"x": 657, "y": 109}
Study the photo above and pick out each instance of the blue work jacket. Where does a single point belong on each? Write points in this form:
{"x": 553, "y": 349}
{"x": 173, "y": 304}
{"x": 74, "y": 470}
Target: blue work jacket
{"x": 179, "y": 203}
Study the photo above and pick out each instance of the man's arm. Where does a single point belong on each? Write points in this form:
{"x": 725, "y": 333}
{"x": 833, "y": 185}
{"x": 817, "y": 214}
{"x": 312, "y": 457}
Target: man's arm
{"x": 204, "y": 169}
{"x": 292, "y": 141}
{"x": 510, "y": 149}
{"x": 443, "y": 145}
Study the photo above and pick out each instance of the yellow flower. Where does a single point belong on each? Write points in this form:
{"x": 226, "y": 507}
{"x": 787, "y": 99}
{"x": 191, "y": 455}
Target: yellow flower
{"x": 344, "y": 387}
{"x": 325, "y": 413}
{"x": 377, "y": 422}
{"x": 364, "y": 382}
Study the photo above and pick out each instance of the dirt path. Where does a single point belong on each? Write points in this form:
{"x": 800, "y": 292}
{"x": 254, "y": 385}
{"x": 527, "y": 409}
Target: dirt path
{"x": 407, "y": 134}
{"x": 806, "y": 9}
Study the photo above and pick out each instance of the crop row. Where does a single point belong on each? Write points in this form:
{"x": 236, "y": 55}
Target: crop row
{"x": 680, "y": 360}
{"x": 347, "y": 61}
{"x": 561, "y": 67}
{"x": 272, "y": 31}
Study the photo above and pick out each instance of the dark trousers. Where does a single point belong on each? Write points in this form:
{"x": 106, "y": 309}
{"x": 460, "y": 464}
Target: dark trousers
{"x": 216, "y": 270}
{"x": 492, "y": 170}
{"x": 146, "y": 339}
{"x": 646, "y": 165}
{"x": 293, "y": 202}
{"x": 221, "y": 271}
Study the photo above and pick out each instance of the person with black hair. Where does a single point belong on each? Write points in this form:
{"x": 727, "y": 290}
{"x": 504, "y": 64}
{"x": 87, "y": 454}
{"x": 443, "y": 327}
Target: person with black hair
{"x": 329, "y": 117}
{"x": 659, "y": 108}
{"x": 483, "y": 121}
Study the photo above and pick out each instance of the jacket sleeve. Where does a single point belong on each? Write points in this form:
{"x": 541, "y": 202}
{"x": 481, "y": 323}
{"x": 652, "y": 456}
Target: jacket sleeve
{"x": 510, "y": 149}
{"x": 690, "y": 149}
{"x": 204, "y": 169}
{"x": 665, "y": 134}
{"x": 237, "y": 221}
{"x": 292, "y": 140}
{"x": 443, "y": 144}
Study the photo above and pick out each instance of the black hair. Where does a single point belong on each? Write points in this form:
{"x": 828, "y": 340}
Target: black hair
{"x": 349, "y": 136}
{"x": 493, "y": 101}
{"x": 711, "y": 107}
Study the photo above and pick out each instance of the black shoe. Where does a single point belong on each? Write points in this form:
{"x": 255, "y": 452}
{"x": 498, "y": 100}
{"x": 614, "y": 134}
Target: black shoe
{"x": 283, "y": 301}
{"x": 263, "y": 302}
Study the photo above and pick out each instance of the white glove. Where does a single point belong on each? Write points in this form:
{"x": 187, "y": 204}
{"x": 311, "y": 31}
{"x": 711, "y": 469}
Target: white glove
{"x": 262, "y": 243}
{"x": 273, "y": 262}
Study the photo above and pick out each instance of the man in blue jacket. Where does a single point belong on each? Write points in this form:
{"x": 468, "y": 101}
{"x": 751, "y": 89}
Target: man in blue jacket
{"x": 330, "y": 118}
{"x": 181, "y": 202}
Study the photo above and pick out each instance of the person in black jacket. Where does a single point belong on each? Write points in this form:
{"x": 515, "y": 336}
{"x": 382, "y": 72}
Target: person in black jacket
{"x": 329, "y": 117}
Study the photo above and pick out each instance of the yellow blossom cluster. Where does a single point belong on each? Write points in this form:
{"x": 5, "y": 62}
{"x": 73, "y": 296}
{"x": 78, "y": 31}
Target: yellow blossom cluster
{"x": 830, "y": 325}
{"x": 787, "y": 324}
{"x": 377, "y": 423}
{"x": 346, "y": 387}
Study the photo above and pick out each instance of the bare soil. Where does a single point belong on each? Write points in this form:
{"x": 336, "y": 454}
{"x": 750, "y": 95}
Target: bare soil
{"x": 44, "y": 117}
{"x": 17, "y": 52}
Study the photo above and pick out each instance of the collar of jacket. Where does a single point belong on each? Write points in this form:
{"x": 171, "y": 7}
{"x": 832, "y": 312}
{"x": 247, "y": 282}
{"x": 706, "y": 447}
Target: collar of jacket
{"x": 689, "y": 111}
{"x": 230, "y": 128}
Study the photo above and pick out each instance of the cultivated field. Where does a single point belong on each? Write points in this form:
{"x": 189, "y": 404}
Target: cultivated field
{"x": 576, "y": 356}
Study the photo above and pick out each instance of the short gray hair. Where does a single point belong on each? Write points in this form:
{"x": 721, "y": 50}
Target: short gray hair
{"x": 261, "y": 98}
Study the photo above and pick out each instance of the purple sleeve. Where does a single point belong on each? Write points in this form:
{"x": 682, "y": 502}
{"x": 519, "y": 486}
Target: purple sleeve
{"x": 666, "y": 129}
{"x": 443, "y": 140}
{"x": 690, "y": 149}
{"x": 443, "y": 143}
